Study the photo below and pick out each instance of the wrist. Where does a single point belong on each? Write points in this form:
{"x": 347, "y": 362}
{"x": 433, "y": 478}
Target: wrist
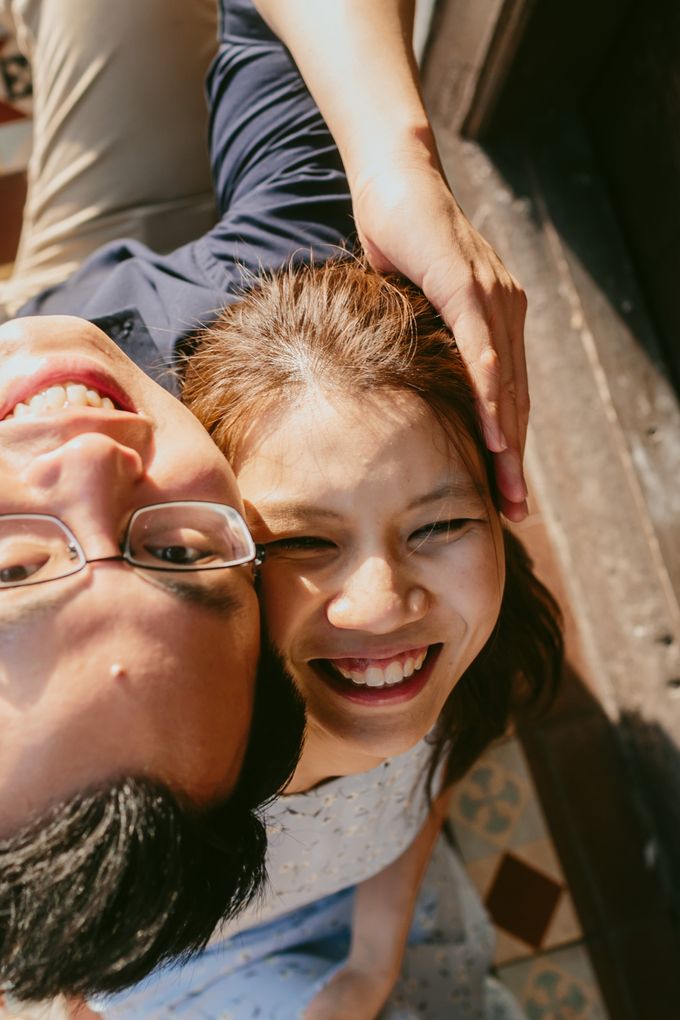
{"x": 380, "y": 974}
{"x": 387, "y": 150}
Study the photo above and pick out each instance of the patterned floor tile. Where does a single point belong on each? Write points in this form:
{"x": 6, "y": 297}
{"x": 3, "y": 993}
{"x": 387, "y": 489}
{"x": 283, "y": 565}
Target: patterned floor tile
{"x": 510, "y": 857}
{"x": 522, "y": 900}
{"x": 540, "y": 853}
{"x": 559, "y": 985}
{"x": 16, "y": 83}
{"x": 15, "y": 146}
{"x": 16, "y": 100}
{"x": 509, "y": 948}
{"x": 564, "y": 926}
{"x": 491, "y": 800}
{"x": 12, "y": 197}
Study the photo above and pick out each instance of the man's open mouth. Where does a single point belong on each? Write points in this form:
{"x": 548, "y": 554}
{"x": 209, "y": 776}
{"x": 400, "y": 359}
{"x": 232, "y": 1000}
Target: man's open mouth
{"x": 369, "y": 680}
{"x": 57, "y": 398}
{"x": 54, "y": 392}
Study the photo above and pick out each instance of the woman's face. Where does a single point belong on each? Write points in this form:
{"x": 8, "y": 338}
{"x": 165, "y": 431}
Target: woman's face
{"x": 384, "y": 570}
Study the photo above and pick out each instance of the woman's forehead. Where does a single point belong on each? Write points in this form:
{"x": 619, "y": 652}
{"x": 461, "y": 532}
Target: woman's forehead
{"x": 334, "y": 441}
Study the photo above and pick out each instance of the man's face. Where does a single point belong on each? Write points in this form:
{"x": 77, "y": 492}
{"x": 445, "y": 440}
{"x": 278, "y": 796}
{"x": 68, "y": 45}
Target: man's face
{"x": 106, "y": 672}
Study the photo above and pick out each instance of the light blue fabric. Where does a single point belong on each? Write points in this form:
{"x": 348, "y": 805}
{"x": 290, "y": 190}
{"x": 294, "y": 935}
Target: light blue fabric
{"x": 272, "y": 972}
{"x": 271, "y": 962}
{"x": 340, "y": 833}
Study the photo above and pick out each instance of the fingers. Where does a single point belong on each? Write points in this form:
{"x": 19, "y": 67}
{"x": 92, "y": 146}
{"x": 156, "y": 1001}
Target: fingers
{"x": 490, "y": 336}
{"x": 507, "y": 465}
{"x": 514, "y": 410}
{"x": 513, "y": 398}
{"x": 479, "y": 300}
{"x": 521, "y": 381}
{"x": 484, "y": 363}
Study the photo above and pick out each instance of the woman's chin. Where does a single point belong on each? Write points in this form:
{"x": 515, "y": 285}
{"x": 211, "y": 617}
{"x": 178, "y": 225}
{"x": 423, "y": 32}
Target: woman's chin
{"x": 370, "y": 738}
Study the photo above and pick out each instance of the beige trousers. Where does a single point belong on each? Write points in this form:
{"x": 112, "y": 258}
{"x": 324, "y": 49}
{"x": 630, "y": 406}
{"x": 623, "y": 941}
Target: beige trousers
{"x": 120, "y": 125}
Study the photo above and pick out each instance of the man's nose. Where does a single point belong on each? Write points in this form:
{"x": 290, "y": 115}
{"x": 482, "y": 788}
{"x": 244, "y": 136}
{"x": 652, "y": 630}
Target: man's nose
{"x": 90, "y": 482}
{"x": 379, "y": 598}
{"x": 91, "y": 463}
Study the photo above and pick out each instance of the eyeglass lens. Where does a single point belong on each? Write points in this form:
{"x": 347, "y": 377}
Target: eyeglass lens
{"x": 188, "y": 536}
{"x": 168, "y": 537}
{"x": 34, "y": 549}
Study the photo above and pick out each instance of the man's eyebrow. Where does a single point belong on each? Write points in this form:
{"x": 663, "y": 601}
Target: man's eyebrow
{"x": 219, "y": 599}
{"x": 13, "y": 616}
{"x": 461, "y": 489}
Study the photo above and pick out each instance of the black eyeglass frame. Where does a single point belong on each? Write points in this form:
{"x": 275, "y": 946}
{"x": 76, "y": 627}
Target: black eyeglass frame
{"x": 256, "y": 553}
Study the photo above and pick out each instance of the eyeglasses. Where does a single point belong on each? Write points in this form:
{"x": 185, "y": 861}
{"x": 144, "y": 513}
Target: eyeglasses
{"x": 169, "y": 537}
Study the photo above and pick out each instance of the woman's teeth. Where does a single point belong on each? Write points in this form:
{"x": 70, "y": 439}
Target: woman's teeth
{"x": 383, "y": 676}
{"x": 54, "y": 398}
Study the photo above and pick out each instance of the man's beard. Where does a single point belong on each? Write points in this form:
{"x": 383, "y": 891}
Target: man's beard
{"x": 276, "y": 732}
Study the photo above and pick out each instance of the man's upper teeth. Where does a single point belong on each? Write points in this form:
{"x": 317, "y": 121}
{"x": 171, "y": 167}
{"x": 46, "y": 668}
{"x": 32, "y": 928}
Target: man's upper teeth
{"x": 384, "y": 676}
{"x": 69, "y": 394}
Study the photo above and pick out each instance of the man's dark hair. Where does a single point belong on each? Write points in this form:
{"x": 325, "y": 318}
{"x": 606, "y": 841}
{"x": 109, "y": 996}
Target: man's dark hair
{"x": 113, "y": 881}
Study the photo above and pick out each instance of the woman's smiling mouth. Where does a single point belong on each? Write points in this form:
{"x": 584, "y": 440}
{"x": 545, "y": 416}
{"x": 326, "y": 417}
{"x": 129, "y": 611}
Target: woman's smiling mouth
{"x": 379, "y": 681}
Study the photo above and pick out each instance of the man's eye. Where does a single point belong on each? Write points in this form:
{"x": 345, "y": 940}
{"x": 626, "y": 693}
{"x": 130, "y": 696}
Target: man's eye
{"x": 441, "y": 530}
{"x": 20, "y": 560}
{"x": 179, "y": 555}
{"x": 15, "y": 572}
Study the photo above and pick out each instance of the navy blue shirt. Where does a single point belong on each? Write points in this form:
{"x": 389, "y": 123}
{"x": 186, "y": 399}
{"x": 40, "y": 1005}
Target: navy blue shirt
{"x": 280, "y": 190}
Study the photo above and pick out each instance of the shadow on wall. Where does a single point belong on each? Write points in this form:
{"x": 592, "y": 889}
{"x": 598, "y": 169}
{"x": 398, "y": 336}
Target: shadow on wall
{"x": 620, "y": 848}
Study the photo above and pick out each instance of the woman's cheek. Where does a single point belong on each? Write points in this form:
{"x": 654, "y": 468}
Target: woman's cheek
{"x": 282, "y": 596}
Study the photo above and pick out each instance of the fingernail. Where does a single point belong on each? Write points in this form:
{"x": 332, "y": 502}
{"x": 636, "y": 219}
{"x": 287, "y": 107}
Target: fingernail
{"x": 495, "y": 438}
{"x": 519, "y": 484}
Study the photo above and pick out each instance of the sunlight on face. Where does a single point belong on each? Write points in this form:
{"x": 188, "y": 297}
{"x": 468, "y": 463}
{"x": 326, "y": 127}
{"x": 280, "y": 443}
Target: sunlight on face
{"x": 107, "y": 672}
{"x": 384, "y": 569}
{"x": 116, "y": 677}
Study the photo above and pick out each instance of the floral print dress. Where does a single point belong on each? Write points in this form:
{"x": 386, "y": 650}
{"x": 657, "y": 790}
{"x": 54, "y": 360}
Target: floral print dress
{"x": 273, "y": 959}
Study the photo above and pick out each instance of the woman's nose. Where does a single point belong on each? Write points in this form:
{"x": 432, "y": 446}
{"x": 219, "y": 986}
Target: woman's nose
{"x": 377, "y": 600}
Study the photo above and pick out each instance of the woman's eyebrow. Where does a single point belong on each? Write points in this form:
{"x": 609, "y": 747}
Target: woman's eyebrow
{"x": 286, "y": 513}
{"x": 460, "y": 489}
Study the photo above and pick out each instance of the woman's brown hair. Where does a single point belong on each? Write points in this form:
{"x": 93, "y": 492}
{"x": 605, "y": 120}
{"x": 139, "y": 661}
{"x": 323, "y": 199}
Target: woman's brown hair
{"x": 343, "y": 327}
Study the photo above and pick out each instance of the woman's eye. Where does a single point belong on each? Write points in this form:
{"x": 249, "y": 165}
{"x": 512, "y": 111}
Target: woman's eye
{"x": 300, "y": 545}
{"x": 441, "y": 529}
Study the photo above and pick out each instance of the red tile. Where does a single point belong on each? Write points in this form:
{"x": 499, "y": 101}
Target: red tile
{"x": 12, "y": 198}
{"x": 522, "y": 900}
{"x": 8, "y": 113}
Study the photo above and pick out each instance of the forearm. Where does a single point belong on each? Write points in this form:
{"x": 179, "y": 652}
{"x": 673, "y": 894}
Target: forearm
{"x": 381, "y": 921}
{"x": 384, "y": 904}
{"x": 357, "y": 60}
